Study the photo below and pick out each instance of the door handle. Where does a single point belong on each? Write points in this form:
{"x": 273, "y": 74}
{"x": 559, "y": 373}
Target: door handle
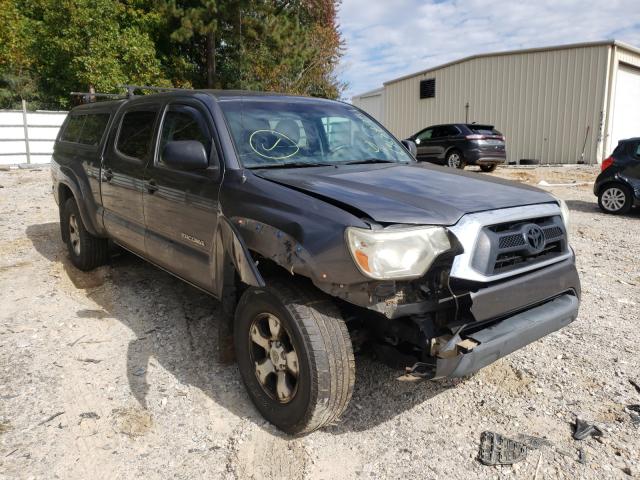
{"x": 152, "y": 186}
{"x": 107, "y": 175}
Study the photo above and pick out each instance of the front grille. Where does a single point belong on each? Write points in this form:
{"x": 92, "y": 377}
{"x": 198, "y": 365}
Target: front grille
{"x": 506, "y": 261}
{"x": 513, "y": 245}
{"x": 510, "y": 241}
{"x": 552, "y": 232}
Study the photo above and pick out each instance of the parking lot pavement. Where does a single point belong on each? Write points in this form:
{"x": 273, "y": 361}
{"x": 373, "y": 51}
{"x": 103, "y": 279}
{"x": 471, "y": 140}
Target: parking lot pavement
{"x": 113, "y": 373}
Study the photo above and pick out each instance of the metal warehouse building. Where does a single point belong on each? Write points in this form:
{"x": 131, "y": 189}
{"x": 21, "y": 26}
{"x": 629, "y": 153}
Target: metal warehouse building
{"x": 564, "y": 104}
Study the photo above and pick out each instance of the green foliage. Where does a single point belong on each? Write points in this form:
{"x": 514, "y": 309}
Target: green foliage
{"x": 87, "y": 44}
{"x": 16, "y": 82}
{"x": 51, "y": 47}
{"x": 14, "y": 88}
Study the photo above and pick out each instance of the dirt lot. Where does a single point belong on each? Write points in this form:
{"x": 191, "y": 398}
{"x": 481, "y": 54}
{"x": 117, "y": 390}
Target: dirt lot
{"x": 114, "y": 374}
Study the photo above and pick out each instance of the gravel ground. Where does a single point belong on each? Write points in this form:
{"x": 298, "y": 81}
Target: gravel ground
{"x": 114, "y": 374}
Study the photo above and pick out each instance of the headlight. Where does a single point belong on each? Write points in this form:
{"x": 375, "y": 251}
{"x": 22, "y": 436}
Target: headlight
{"x": 396, "y": 253}
{"x": 564, "y": 211}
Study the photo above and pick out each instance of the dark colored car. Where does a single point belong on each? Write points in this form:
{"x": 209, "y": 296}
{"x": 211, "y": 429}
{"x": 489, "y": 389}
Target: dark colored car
{"x": 459, "y": 144}
{"x": 618, "y": 185}
{"x": 320, "y": 234}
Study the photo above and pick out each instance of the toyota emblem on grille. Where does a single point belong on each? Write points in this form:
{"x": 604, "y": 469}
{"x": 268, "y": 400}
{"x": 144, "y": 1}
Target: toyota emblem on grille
{"x": 534, "y": 236}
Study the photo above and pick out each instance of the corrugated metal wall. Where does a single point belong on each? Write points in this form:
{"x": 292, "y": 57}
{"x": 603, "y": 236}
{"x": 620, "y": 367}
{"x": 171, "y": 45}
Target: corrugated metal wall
{"x": 372, "y": 103}
{"x": 548, "y": 103}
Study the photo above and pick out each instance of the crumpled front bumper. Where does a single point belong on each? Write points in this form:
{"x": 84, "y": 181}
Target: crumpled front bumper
{"x": 508, "y": 335}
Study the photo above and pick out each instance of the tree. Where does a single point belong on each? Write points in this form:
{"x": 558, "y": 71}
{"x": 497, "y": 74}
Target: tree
{"x": 197, "y": 21}
{"x": 51, "y": 47}
{"x": 91, "y": 44}
{"x": 16, "y": 82}
{"x": 287, "y": 46}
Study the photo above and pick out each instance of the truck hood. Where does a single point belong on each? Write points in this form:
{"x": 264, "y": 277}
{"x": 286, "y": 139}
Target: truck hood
{"x": 407, "y": 193}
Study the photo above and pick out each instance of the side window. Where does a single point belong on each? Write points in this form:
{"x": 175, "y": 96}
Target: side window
{"x": 638, "y": 150}
{"x": 93, "y": 129}
{"x": 135, "y": 135}
{"x": 452, "y": 131}
{"x": 425, "y": 135}
{"x": 73, "y": 128}
{"x": 184, "y": 123}
{"x": 438, "y": 132}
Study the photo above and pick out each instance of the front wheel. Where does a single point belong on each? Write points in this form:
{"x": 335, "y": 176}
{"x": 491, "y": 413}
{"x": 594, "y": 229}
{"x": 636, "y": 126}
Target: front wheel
{"x": 294, "y": 355}
{"x": 489, "y": 167}
{"x": 455, "y": 160}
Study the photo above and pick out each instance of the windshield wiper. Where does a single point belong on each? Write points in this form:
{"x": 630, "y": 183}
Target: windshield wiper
{"x": 367, "y": 160}
{"x": 292, "y": 165}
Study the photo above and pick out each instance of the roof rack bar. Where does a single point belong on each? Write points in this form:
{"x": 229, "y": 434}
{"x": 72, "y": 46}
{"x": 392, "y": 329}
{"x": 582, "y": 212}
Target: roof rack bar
{"x": 103, "y": 95}
{"x": 92, "y": 97}
{"x": 130, "y": 89}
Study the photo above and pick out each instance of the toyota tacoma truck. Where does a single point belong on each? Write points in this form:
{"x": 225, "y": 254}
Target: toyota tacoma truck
{"x": 320, "y": 234}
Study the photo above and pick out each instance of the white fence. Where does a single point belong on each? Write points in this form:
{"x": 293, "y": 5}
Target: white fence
{"x": 28, "y": 137}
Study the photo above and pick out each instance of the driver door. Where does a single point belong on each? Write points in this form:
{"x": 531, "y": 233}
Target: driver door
{"x": 180, "y": 206}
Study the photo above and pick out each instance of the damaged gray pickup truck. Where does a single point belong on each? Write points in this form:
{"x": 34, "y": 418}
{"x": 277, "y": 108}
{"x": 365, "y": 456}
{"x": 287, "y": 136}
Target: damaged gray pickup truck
{"x": 320, "y": 234}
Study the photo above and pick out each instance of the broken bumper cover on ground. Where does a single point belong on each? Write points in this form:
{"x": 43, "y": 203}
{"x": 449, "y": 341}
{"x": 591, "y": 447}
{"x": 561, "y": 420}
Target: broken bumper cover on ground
{"x": 509, "y": 335}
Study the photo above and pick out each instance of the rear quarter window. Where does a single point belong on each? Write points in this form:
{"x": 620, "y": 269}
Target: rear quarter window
{"x": 86, "y": 129}
{"x": 93, "y": 128}
{"x": 72, "y": 128}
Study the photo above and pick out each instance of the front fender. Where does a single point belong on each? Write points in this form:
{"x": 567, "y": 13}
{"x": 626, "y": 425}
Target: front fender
{"x": 276, "y": 245}
{"x": 231, "y": 251}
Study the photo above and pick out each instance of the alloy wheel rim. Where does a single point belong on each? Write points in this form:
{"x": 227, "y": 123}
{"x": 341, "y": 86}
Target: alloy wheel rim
{"x": 74, "y": 234}
{"x": 613, "y": 199}
{"x": 274, "y": 357}
{"x": 454, "y": 160}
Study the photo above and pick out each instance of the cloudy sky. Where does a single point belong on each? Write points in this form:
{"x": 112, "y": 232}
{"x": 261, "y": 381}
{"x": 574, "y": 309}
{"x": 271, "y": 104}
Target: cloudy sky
{"x": 386, "y": 39}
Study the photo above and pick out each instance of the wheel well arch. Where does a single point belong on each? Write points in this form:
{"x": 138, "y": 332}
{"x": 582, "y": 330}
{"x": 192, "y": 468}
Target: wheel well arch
{"x": 70, "y": 187}
{"x": 64, "y": 193}
{"x": 612, "y": 182}
{"x": 453, "y": 148}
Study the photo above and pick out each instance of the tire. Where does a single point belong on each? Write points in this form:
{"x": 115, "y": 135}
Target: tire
{"x": 311, "y": 327}
{"x": 86, "y": 251}
{"x": 487, "y": 168}
{"x": 455, "y": 160}
{"x": 615, "y": 198}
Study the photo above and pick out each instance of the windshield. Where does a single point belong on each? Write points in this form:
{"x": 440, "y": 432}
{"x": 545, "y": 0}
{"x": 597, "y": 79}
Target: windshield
{"x": 271, "y": 134}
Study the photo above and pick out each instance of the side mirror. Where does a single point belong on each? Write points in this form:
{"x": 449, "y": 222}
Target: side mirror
{"x": 411, "y": 146}
{"x": 185, "y": 155}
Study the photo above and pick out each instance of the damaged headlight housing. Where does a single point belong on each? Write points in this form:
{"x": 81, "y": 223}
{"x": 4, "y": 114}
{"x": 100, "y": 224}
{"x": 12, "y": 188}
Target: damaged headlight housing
{"x": 396, "y": 253}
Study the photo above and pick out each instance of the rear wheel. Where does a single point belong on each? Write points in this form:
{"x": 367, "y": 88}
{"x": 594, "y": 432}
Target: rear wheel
{"x": 615, "y": 198}
{"x": 455, "y": 159}
{"x": 85, "y": 250}
{"x": 294, "y": 355}
{"x": 488, "y": 167}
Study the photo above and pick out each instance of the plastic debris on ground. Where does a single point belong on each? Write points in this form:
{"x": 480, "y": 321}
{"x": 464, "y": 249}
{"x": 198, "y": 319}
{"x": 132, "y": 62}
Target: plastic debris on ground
{"x": 634, "y": 413}
{"x": 584, "y": 429}
{"x": 496, "y": 449}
